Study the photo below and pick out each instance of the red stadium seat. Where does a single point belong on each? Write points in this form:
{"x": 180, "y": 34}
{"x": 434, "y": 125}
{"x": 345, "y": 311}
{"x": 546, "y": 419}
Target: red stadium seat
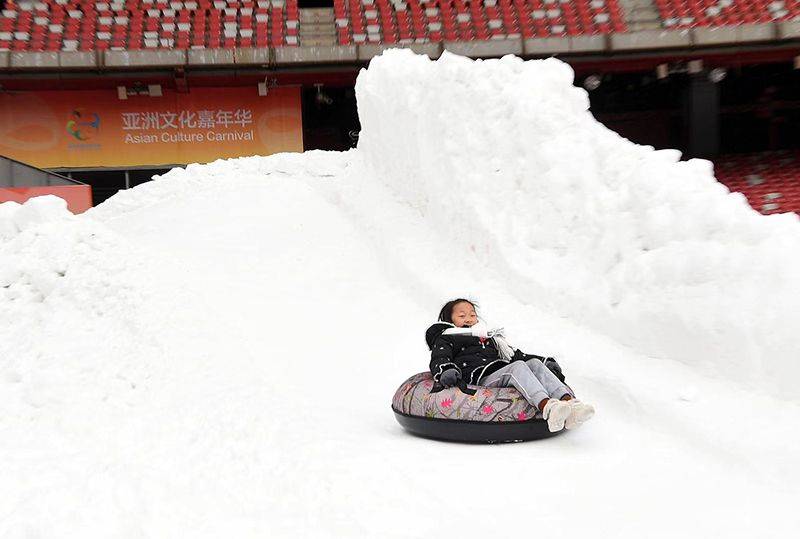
{"x": 89, "y": 25}
{"x": 770, "y": 180}
{"x": 685, "y": 14}
{"x": 436, "y": 20}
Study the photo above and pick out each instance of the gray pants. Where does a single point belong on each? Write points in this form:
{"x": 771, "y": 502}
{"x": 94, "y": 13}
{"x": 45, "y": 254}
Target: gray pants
{"x": 531, "y": 378}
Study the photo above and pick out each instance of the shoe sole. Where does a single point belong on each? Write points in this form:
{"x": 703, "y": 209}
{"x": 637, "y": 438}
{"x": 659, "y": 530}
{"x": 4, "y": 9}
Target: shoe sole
{"x": 578, "y": 421}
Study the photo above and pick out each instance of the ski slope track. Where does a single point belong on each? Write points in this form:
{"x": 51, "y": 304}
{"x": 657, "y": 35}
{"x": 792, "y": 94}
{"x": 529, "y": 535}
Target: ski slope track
{"x": 213, "y": 354}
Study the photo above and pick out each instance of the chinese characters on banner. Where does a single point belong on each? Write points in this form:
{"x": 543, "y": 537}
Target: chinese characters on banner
{"x": 186, "y": 119}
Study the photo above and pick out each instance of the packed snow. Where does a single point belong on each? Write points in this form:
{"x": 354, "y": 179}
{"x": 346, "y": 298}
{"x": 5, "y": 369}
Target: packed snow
{"x": 214, "y": 353}
{"x": 631, "y": 241}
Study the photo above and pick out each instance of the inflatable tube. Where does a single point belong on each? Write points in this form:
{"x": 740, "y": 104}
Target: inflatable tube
{"x": 489, "y": 415}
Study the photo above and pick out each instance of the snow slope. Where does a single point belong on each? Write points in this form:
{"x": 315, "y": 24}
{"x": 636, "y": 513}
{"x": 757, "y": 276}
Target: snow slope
{"x": 646, "y": 248}
{"x": 214, "y": 353}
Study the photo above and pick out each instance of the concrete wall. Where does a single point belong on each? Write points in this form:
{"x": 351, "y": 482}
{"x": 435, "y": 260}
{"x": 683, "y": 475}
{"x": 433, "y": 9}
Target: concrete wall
{"x": 686, "y": 39}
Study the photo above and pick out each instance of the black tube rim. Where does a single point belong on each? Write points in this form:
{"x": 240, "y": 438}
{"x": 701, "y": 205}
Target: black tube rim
{"x": 465, "y": 430}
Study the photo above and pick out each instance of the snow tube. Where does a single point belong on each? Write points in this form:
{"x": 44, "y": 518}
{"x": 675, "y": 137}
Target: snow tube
{"x": 466, "y": 414}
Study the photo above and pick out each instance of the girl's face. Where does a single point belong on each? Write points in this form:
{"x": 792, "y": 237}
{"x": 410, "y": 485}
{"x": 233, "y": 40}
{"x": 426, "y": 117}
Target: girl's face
{"x": 464, "y": 315}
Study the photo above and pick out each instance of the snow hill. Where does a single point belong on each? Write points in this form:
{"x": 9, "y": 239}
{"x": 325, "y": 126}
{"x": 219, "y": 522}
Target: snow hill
{"x": 214, "y": 353}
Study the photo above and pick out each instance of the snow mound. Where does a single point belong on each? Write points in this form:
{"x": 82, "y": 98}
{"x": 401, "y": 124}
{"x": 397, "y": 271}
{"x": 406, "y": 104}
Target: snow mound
{"x": 16, "y": 218}
{"x": 49, "y": 254}
{"x": 227, "y": 173}
{"x": 504, "y": 158}
{"x": 66, "y": 305}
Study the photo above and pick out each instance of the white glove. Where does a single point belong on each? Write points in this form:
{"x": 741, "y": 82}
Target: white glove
{"x": 480, "y": 330}
{"x": 496, "y": 332}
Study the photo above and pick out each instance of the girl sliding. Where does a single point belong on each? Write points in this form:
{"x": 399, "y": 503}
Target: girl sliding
{"x": 464, "y": 351}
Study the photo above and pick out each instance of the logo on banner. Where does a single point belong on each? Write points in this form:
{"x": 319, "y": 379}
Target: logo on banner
{"x": 82, "y": 125}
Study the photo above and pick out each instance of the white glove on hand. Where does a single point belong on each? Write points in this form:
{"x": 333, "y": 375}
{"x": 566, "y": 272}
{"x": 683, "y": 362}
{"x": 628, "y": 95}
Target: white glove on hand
{"x": 480, "y": 330}
{"x": 496, "y": 332}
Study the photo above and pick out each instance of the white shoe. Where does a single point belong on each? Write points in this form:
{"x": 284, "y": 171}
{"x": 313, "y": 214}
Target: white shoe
{"x": 556, "y": 413}
{"x": 580, "y": 413}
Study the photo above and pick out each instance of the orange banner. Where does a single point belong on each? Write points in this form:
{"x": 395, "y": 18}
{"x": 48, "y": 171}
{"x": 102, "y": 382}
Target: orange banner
{"x": 96, "y": 129}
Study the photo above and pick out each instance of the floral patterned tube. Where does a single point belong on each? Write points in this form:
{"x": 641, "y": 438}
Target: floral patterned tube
{"x": 502, "y": 404}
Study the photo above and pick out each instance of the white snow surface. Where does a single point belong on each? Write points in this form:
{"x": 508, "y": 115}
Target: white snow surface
{"x": 646, "y": 248}
{"x": 214, "y": 353}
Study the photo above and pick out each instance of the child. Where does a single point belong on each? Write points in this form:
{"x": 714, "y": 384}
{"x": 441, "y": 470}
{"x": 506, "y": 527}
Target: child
{"x": 462, "y": 349}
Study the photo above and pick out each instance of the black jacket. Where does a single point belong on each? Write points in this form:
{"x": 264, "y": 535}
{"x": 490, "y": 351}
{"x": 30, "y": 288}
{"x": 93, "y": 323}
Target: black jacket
{"x": 473, "y": 357}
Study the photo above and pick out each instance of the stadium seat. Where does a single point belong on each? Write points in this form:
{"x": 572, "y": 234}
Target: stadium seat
{"x": 55, "y": 25}
{"x": 421, "y": 21}
{"x": 155, "y": 24}
{"x": 117, "y": 24}
{"x": 690, "y": 13}
{"x": 770, "y": 180}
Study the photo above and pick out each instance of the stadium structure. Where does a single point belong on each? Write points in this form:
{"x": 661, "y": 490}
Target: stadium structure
{"x": 109, "y": 93}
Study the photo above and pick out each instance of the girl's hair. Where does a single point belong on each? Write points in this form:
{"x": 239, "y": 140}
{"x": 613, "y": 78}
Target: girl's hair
{"x": 446, "y": 314}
